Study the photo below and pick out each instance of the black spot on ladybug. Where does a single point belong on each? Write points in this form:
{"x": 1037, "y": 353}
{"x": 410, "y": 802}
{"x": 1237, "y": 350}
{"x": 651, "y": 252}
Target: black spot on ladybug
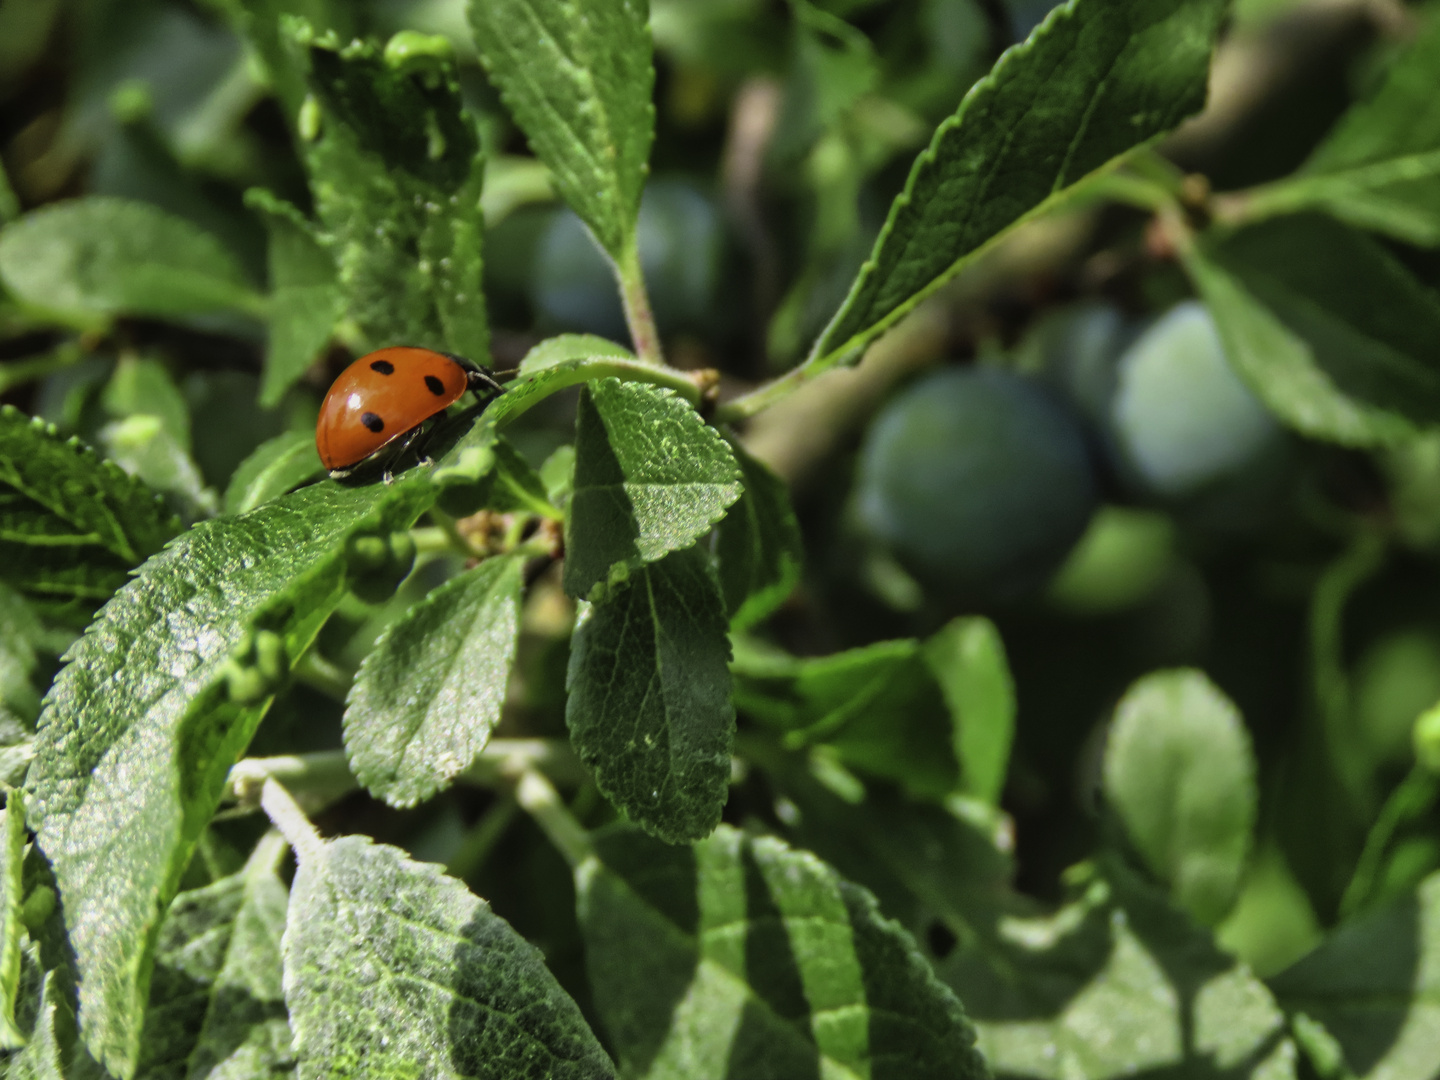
{"x": 435, "y": 386}
{"x": 384, "y": 367}
{"x": 373, "y": 422}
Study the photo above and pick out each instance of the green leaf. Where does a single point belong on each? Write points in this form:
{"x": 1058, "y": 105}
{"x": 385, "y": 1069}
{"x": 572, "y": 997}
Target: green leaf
{"x": 305, "y": 300}
{"x": 63, "y": 584}
{"x": 1375, "y": 988}
{"x": 142, "y": 386}
{"x": 1380, "y": 166}
{"x": 758, "y": 545}
{"x": 649, "y": 708}
{"x": 1116, "y": 983}
{"x": 1097, "y": 78}
{"x": 9, "y": 203}
{"x": 426, "y": 699}
{"x": 146, "y": 449}
{"x": 50, "y": 1053}
{"x": 1180, "y": 774}
{"x": 275, "y": 466}
{"x": 396, "y": 172}
{"x": 160, "y": 697}
{"x": 578, "y": 79}
{"x": 1331, "y": 332}
{"x": 217, "y": 1006}
{"x": 742, "y": 957}
{"x": 394, "y": 969}
{"x": 517, "y": 485}
{"x": 967, "y": 659}
{"x": 92, "y": 498}
{"x": 650, "y": 478}
{"x": 12, "y": 927}
{"x": 20, "y": 633}
{"x": 878, "y": 707}
{"x": 88, "y": 260}
{"x": 558, "y": 350}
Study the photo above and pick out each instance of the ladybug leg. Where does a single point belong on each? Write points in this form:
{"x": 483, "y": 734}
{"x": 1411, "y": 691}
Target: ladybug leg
{"x": 482, "y": 381}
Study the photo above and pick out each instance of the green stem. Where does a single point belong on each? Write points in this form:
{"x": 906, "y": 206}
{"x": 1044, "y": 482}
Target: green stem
{"x": 285, "y": 814}
{"x": 1160, "y": 171}
{"x": 1412, "y": 798}
{"x": 542, "y": 802}
{"x": 323, "y": 675}
{"x": 15, "y": 372}
{"x": 481, "y": 840}
{"x": 434, "y": 540}
{"x": 636, "y": 301}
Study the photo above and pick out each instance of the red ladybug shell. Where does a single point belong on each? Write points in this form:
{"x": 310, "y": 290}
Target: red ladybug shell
{"x": 380, "y": 397}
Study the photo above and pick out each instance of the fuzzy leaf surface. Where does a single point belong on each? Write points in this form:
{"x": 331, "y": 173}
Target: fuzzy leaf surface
{"x": 1180, "y": 774}
{"x": 140, "y": 729}
{"x": 90, "y": 259}
{"x": 217, "y": 1003}
{"x": 649, "y": 708}
{"x": 651, "y": 477}
{"x": 394, "y": 969}
{"x": 1380, "y": 166}
{"x": 305, "y": 299}
{"x": 272, "y": 469}
{"x": 1332, "y": 333}
{"x": 758, "y": 545}
{"x": 429, "y": 694}
{"x": 1374, "y": 985}
{"x": 1097, "y": 78}
{"x": 577, "y": 76}
{"x": 396, "y": 173}
{"x": 739, "y": 956}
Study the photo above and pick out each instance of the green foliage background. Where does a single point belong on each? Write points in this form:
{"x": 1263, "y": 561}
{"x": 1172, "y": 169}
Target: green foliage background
{"x": 633, "y": 727}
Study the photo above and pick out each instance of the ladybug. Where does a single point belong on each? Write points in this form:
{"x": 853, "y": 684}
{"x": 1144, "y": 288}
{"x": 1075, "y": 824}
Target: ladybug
{"x": 385, "y": 396}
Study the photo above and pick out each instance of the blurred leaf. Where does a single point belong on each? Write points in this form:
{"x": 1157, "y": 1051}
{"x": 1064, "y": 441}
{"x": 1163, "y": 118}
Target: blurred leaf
{"x": 9, "y": 204}
{"x": 88, "y": 260}
{"x": 578, "y": 81}
{"x": 1330, "y": 331}
{"x": 217, "y": 1007}
{"x": 20, "y": 634}
{"x": 1124, "y": 556}
{"x": 739, "y": 956}
{"x": 518, "y": 487}
{"x": 967, "y": 659}
{"x": 758, "y": 545}
{"x": 145, "y": 448}
{"x": 1375, "y": 988}
{"x": 396, "y": 171}
{"x": 276, "y": 466}
{"x": 1180, "y": 774}
{"x": 878, "y": 707}
{"x": 158, "y": 701}
{"x": 1380, "y": 167}
{"x": 832, "y": 65}
{"x": 1111, "y": 74}
{"x": 142, "y": 387}
{"x": 394, "y": 969}
{"x": 557, "y": 473}
{"x": 72, "y": 496}
{"x": 305, "y": 299}
{"x": 651, "y": 477}
{"x": 428, "y": 696}
{"x": 649, "y": 708}
{"x": 65, "y": 584}
{"x": 12, "y": 928}
{"x": 1114, "y": 984}
{"x": 563, "y": 347}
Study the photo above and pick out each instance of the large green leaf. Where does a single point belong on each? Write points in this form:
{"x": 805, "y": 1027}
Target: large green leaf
{"x": 740, "y": 956}
{"x": 160, "y": 697}
{"x": 1180, "y": 774}
{"x": 396, "y": 170}
{"x": 758, "y": 545}
{"x": 1330, "y": 331}
{"x": 12, "y": 931}
{"x": 1380, "y": 167}
{"x": 577, "y": 76}
{"x": 649, "y": 706}
{"x": 1374, "y": 986}
{"x": 1097, "y": 78}
{"x": 394, "y": 969}
{"x": 217, "y": 1006}
{"x": 90, "y": 259}
{"x": 426, "y": 699}
{"x": 305, "y": 300}
{"x": 650, "y": 478}
{"x": 1116, "y": 983}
